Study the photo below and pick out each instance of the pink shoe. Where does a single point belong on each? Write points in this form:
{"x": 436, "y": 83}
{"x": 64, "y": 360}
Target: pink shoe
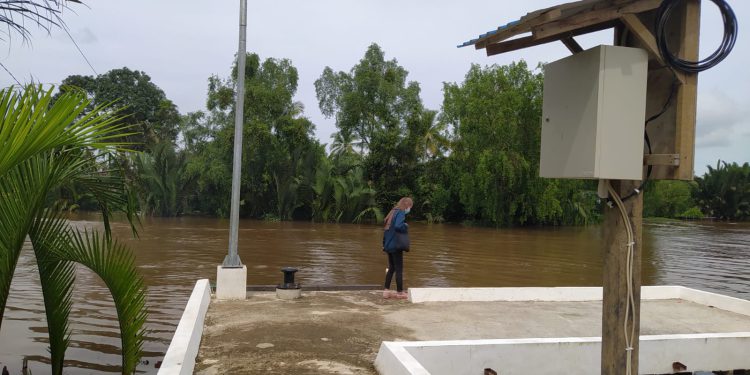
{"x": 387, "y": 293}
{"x": 402, "y": 295}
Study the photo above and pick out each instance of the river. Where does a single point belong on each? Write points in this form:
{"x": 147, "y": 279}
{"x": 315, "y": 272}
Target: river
{"x": 173, "y": 253}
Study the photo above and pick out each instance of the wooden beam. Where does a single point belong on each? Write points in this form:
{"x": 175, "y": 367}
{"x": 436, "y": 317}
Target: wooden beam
{"x": 687, "y": 94}
{"x": 615, "y": 290}
{"x": 530, "y": 41}
{"x": 643, "y": 34}
{"x": 647, "y": 40}
{"x": 662, "y": 159}
{"x": 593, "y": 17}
{"x": 572, "y": 45}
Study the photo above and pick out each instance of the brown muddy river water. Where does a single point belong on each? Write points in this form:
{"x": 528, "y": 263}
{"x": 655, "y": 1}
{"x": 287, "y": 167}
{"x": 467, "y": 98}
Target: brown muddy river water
{"x": 173, "y": 253}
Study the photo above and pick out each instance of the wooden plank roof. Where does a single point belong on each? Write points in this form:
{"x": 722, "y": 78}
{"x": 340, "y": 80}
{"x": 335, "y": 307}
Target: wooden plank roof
{"x": 560, "y": 22}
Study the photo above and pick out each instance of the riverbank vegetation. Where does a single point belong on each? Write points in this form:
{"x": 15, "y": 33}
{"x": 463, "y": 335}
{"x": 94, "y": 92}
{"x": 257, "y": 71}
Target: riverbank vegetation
{"x": 723, "y": 193}
{"x": 475, "y": 160}
{"x": 47, "y": 147}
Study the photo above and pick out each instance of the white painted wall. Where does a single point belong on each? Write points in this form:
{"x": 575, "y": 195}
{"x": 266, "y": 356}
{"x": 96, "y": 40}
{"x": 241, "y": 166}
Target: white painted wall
{"x": 418, "y": 295}
{"x": 573, "y": 294}
{"x": 394, "y": 359}
{"x": 180, "y": 357}
{"x": 573, "y": 355}
{"x": 735, "y": 305}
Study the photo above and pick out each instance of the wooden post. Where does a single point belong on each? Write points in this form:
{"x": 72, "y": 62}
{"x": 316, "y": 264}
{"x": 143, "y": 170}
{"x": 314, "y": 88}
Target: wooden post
{"x": 615, "y": 298}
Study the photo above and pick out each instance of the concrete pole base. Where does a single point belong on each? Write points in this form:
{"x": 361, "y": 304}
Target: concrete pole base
{"x": 231, "y": 283}
{"x": 288, "y": 294}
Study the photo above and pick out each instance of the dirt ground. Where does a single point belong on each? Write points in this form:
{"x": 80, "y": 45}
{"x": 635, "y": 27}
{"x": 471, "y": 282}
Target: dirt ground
{"x": 305, "y": 336}
{"x": 340, "y": 332}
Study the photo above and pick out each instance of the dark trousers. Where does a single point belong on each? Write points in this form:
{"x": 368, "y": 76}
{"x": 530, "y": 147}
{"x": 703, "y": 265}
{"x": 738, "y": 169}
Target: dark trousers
{"x": 395, "y": 264}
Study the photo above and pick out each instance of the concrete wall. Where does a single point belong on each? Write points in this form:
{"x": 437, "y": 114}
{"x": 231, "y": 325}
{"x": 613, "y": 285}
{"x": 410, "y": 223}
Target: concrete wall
{"x": 180, "y": 357}
{"x": 574, "y": 355}
{"x": 394, "y": 359}
{"x": 570, "y": 355}
{"x": 735, "y": 305}
{"x": 574, "y": 294}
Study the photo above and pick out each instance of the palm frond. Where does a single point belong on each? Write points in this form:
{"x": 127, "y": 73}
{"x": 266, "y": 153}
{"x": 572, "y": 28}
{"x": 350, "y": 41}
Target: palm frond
{"x": 115, "y": 265}
{"x": 22, "y": 190}
{"x": 30, "y": 123}
{"x": 45, "y": 146}
{"x": 49, "y": 233}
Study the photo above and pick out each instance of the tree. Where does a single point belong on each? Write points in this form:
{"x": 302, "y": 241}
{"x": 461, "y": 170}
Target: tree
{"x": 161, "y": 180}
{"x": 430, "y": 134}
{"x": 495, "y": 113}
{"x": 280, "y": 152}
{"x": 669, "y": 199}
{"x": 373, "y": 97}
{"x": 152, "y": 118}
{"x": 44, "y": 145}
{"x": 724, "y": 192}
{"x": 374, "y": 104}
{"x": 344, "y": 143}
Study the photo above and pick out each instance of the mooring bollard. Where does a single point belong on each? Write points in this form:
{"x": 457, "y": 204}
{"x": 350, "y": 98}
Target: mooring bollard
{"x": 289, "y": 289}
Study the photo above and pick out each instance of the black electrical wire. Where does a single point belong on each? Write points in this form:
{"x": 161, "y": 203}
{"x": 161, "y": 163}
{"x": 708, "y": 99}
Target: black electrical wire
{"x": 664, "y": 108}
{"x": 727, "y": 42}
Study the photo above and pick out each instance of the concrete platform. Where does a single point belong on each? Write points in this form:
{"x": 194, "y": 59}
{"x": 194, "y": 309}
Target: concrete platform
{"x": 341, "y": 332}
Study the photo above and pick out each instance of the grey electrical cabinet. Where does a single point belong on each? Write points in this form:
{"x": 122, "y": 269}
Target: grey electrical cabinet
{"x": 593, "y": 114}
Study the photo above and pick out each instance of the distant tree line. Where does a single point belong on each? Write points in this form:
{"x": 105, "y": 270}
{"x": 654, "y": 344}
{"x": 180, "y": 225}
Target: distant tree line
{"x": 474, "y": 161}
{"x": 721, "y": 193}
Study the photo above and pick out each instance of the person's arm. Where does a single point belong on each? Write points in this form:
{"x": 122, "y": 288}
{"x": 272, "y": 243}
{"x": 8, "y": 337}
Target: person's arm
{"x": 399, "y": 222}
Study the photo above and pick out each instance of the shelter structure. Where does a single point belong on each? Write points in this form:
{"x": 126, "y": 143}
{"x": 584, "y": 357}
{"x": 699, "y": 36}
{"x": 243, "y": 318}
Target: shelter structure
{"x": 670, "y": 129}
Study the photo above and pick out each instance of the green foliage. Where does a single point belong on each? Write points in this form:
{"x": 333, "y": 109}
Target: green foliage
{"x": 692, "y": 213}
{"x": 669, "y": 199}
{"x": 47, "y": 145}
{"x": 280, "y": 154}
{"x": 341, "y": 193}
{"x": 477, "y": 160}
{"x": 378, "y": 110}
{"x": 161, "y": 180}
{"x": 724, "y": 192}
{"x": 144, "y": 106}
{"x": 495, "y": 113}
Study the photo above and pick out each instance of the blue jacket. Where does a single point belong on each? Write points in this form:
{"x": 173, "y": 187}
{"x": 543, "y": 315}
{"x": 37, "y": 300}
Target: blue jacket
{"x": 398, "y": 224}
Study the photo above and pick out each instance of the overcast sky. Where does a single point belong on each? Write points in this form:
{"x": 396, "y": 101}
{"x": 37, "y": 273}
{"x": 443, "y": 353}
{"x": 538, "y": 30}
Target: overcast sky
{"x": 180, "y": 43}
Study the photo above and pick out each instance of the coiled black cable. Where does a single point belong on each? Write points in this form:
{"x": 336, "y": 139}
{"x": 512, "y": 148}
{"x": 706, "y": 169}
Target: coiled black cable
{"x": 727, "y": 42}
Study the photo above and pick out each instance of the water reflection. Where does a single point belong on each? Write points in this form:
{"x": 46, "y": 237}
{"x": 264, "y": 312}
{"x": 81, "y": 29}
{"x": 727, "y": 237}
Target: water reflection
{"x": 173, "y": 253}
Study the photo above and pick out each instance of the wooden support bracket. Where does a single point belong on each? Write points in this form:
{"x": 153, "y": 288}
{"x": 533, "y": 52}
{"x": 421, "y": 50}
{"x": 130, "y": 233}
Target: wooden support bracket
{"x": 572, "y": 45}
{"x": 647, "y": 39}
{"x": 642, "y": 33}
{"x": 662, "y": 159}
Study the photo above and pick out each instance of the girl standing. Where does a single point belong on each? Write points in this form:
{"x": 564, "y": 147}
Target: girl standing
{"x": 395, "y": 242}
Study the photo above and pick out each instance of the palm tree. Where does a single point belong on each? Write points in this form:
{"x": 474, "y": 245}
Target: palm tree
{"x": 344, "y": 142}
{"x": 16, "y": 14}
{"x": 46, "y": 145}
{"x": 161, "y": 174}
{"x": 724, "y": 192}
{"x": 432, "y": 140}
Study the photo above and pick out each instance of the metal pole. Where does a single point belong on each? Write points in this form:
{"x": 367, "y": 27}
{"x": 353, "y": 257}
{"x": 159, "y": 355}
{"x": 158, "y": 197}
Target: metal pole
{"x": 232, "y": 260}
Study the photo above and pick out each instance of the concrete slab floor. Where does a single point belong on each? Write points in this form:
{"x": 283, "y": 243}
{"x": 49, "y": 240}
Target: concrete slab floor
{"x": 340, "y": 332}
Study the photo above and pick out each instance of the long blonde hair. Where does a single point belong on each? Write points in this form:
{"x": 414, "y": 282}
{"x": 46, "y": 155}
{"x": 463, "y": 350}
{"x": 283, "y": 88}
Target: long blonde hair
{"x": 402, "y": 205}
